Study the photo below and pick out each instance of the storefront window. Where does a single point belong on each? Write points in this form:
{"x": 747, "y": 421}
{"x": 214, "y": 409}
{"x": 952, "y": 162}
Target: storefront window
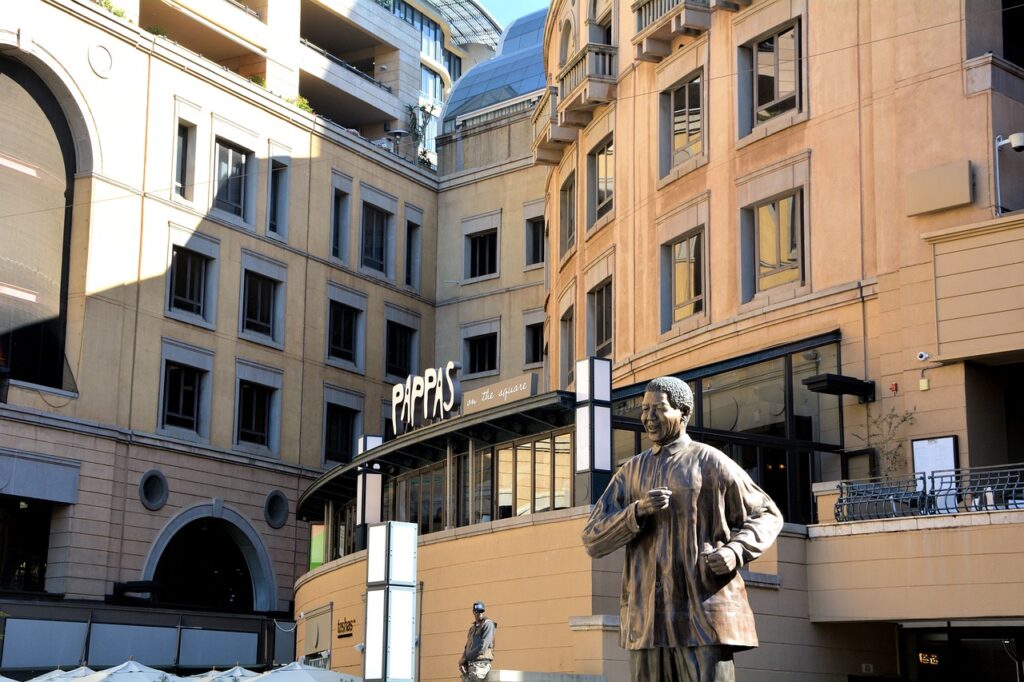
{"x": 542, "y": 479}
{"x": 505, "y": 479}
{"x": 749, "y": 399}
{"x": 524, "y": 476}
{"x": 483, "y": 471}
{"x": 24, "y": 541}
{"x": 563, "y": 471}
{"x": 817, "y": 416}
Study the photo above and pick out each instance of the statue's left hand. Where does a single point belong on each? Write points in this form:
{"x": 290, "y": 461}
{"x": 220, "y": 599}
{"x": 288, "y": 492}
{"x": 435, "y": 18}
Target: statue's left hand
{"x": 722, "y": 561}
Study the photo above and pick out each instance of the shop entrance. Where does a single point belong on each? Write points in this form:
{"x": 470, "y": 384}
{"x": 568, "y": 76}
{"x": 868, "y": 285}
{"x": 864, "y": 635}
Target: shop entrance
{"x": 962, "y": 653}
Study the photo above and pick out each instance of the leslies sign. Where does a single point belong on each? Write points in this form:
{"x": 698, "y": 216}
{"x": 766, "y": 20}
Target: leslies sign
{"x": 435, "y": 395}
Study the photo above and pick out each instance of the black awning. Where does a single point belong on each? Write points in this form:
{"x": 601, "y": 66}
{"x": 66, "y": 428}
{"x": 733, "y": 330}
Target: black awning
{"x": 429, "y": 444}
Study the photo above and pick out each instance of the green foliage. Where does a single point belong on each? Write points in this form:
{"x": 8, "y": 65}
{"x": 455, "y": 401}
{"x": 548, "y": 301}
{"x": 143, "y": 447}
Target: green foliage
{"x": 156, "y": 30}
{"x": 883, "y": 434}
{"x": 112, "y": 8}
{"x": 301, "y": 102}
{"x": 259, "y": 80}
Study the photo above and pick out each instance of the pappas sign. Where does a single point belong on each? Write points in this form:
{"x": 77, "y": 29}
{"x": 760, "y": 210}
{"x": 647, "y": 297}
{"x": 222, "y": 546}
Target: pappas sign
{"x": 435, "y": 395}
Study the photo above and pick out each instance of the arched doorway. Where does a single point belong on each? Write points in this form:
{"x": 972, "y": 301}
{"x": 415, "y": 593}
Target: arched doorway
{"x": 209, "y": 556}
{"x": 203, "y": 567}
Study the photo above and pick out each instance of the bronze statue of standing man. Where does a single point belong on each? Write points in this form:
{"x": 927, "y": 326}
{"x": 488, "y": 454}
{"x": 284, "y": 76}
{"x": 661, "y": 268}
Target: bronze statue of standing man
{"x": 689, "y": 518}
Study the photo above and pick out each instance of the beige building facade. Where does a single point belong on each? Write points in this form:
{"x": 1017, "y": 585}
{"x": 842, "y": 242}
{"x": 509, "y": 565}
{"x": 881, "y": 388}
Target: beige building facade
{"x": 804, "y": 210}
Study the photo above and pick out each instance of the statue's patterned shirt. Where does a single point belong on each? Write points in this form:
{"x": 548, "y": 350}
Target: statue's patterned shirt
{"x": 670, "y": 597}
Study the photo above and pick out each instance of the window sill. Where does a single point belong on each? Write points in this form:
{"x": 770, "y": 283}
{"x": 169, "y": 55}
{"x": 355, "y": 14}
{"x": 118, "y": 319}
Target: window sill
{"x": 600, "y": 223}
{"x": 261, "y": 339}
{"x": 190, "y": 318}
{"x": 479, "y": 375}
{"x": 534, "y": 365}
{"x": 257, "y": 450}
{"x": 179, "y": 433}
{"x": 42, "y": 388}
{"x": 685, "y": 326}
{"x": 182, "y": 201}
{"x": 338, "y": 262}
{"x": 395, "y": 379}
{"x": 567, "y": 256}
{"x": 277, "y": 236}
{"x": 345, "y": 365}
{"x": 376, "y": 274}
{"x": 774, "y": 296}
{"x": 231, "y": 219}
{"x": 682, "y": 169}
{"x": 533, "y": 266}
{"x": 770, "y": 127}
{"x": 481, "y": 278}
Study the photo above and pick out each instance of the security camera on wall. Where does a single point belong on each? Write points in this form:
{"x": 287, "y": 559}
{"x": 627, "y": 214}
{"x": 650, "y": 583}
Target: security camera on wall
{"x": 922, "y": 356}
{"x": 1017, "y": 142}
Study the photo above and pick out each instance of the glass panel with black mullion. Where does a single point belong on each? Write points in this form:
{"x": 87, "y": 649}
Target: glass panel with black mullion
{"x": 277, "y": 203}
{"x": 425, "y": 500}
{"x": 524, "y": 479}
{"x": 231, "y": 168}
{"x": 687, "y": 277}
{"x": 340, "y": 434}
{"x": 603, "y": 321}
{"x": 181, "y": 162}
{"x": 562, "y": 485}
{"x": 343, "y": 323}
{"x": 438, "y": 520}
{"x": 778, "y": 241}
{"x": 505, "y": 482}
{"x": 375, "y": 230}
{"x": 181, "y": 396}
{"x": 777, "y": 74}
{"x": 399, "y": 349}
{"x": 463, "y": 492}
{"x": 542, "y": 475}
{"x": 534, "y": 343}
{"x": 483, "y": 483}
{"x": 483, "y": 254}
{"x": 687, "y": 121}
{"x": 482, "y": 352}
{"x": 188, "y": 280}
{"x": 604, "y": 159}
{"x": 254, "y": 413}
{"x": 259, "y": 304}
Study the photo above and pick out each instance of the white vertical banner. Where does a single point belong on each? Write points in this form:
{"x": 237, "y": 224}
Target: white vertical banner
{"x": 390, "y": 646}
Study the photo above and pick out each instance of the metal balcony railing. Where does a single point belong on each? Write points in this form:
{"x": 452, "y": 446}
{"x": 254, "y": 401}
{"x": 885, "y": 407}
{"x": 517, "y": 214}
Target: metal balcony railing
{"x": 650, "y": 11}
{"x": 345, "y": 65}
{"x": 594, "y": 60}
{"x": 952, "y": 491}
{"x": 244, "y": 8}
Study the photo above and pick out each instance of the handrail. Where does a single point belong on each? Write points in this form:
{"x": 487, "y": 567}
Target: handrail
{"x": 342, "y": 63}
{"x": 649, "y": 12}
{"x": 952, "y": 491}
{"x": 545, "y": 112}
{"x": 245, "y": 8}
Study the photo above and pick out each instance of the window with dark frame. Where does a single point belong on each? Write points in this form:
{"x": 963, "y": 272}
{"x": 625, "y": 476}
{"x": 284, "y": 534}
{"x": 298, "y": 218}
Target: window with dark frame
{"x": 687, "y": 276}
{"x": 232, "y": 163}
{"x": 776, "y": 74}
{"x": 535, "y": 241}
{"x": 181, "y": 396}
{"x": 343, "y": 324}
{"x": 687, "y": 122}
{"x": 483, "y": 254}
{"x": 339, "y": 434}
{"x": 568, "y": 347}
{"x": 602, "y": 161}
{"x": 259, "y": 293}
{"x": 399, "y": 349}
{"x": 412, "y": 252}
{"x": 181, "y": 157}
{"x": 339, "y": 219}
{"x": 188, "y": 280}
{"x": 254, "y": 413}
{"x": 567, "y": 215}
{"x": 534, "y": 343}
{"x": 375, "y": 238}
{"x": 275, "y": 209}
{"x": 777, "y": 239}
{"x": 482, "y": 353}
{"x": 601, "y": 299}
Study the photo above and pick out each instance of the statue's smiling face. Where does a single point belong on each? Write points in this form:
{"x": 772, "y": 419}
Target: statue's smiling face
{"x": 662, "y": 421}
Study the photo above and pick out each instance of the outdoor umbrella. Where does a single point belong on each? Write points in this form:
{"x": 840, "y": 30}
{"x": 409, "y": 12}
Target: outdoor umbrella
{"x": 59, "y": 674}
{"x": 297, "y": 672}
{"x": 131, "y": 671}
{"x": 236, "y": 673}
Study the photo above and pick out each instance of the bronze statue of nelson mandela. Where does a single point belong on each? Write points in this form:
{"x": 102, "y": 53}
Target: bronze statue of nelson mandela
{"x": 689, "y": 518}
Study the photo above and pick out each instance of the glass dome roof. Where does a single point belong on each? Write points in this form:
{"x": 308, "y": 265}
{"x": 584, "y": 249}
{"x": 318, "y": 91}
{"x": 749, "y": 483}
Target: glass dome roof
{"x": 516, "y": 69}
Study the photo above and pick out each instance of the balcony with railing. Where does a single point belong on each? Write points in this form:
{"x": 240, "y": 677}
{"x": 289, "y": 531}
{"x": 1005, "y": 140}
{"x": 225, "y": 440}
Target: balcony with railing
{"x": 936, "y": 545}
{"x": 549, "y": 138}
{"x": 586, "y": 81}
{"x": 658, "y": 22}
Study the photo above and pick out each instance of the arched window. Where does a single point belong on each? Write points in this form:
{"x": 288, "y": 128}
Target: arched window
{"x": 37, "y": 165}
{"x": 567, "y": 45}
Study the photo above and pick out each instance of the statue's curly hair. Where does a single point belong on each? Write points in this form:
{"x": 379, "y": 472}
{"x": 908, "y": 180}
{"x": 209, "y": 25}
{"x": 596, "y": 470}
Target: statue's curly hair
{"x": 677, "y": 391}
